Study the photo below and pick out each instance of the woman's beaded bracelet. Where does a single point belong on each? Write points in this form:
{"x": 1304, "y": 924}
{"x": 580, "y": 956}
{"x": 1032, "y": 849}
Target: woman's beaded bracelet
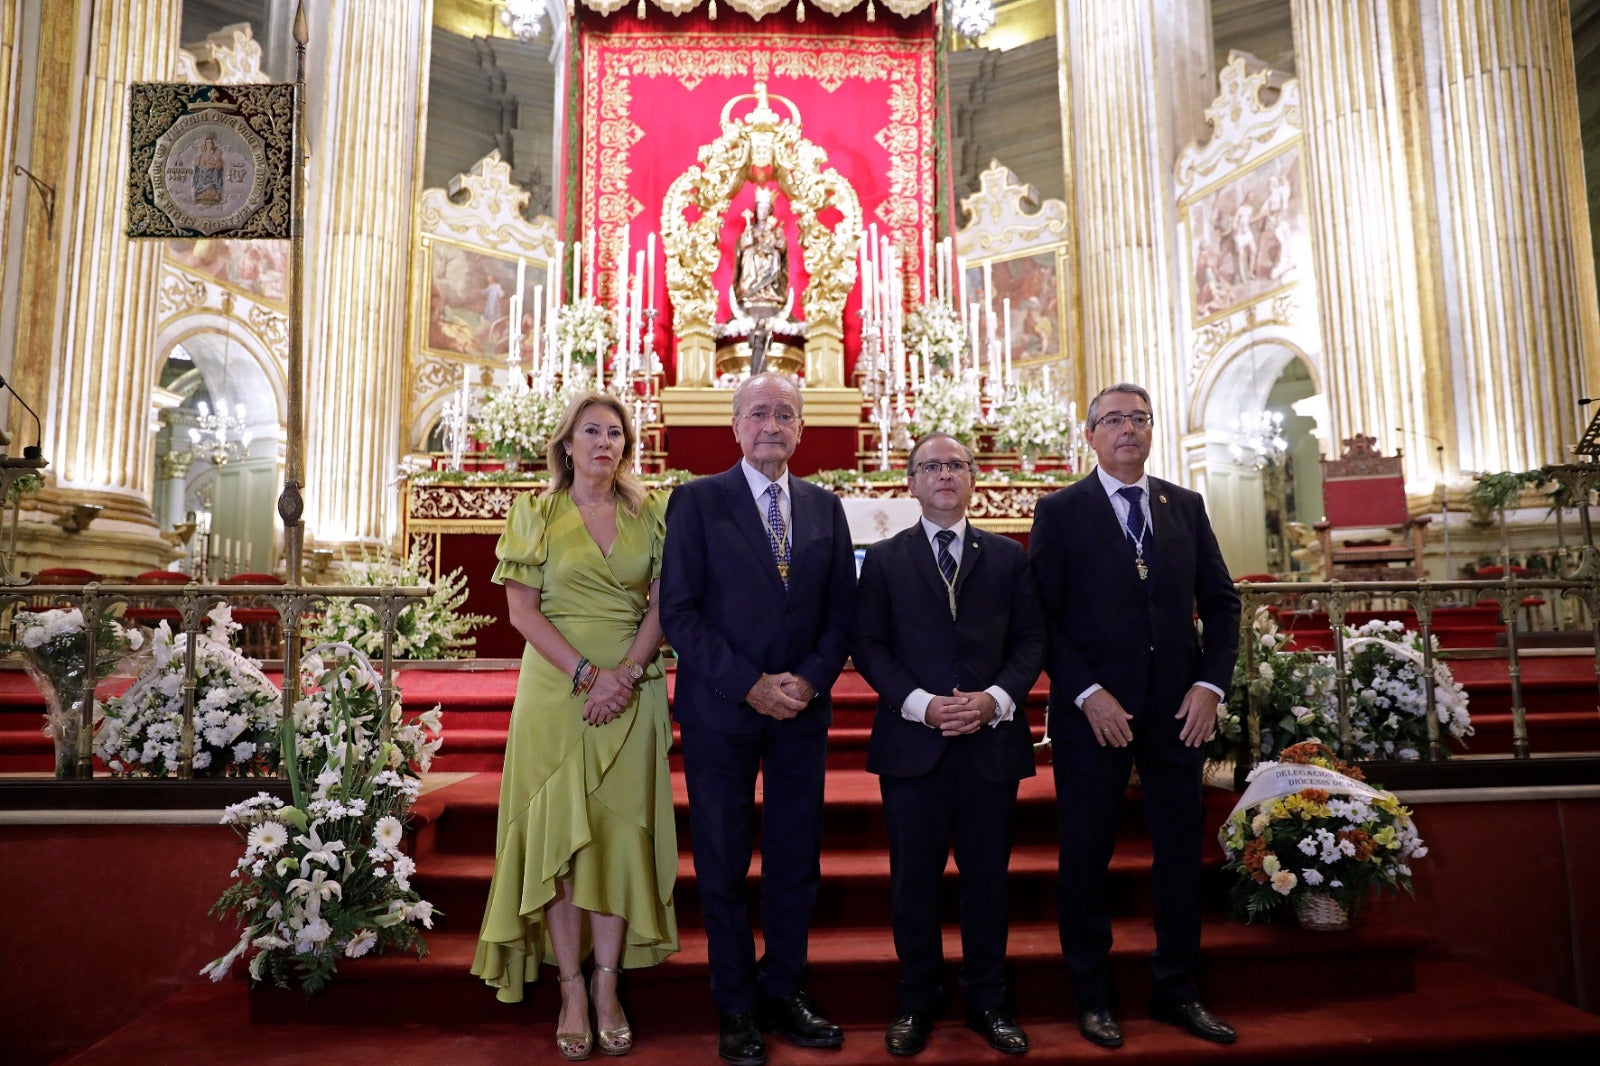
{"x": 578, "y": 675}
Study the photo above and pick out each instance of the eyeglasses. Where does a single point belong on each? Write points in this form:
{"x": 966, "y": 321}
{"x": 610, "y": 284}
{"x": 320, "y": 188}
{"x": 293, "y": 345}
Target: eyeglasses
{"x": 783, "y": 417}
{"x": 1139, "y": 420}
{"x": 931, "y": 467}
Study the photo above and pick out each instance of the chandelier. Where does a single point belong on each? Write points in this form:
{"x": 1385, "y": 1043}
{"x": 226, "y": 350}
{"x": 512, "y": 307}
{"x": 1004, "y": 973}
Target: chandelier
{"x": 522, "y": 17}
{"x": 1258, "y": 441}
{"x": 972, "y": 18}
{"x": 221, "y": 437}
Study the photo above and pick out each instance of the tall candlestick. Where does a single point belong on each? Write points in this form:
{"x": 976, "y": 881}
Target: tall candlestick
{"x": 927, "y": 254}
{"x": 558, "y": 283}
{"x": 577, "y": 271}
{"x": 593, "y": 248}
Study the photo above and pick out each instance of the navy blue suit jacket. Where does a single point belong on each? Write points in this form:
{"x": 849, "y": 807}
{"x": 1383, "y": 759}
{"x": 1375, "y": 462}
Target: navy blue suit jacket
{"x": 726, "y": 613}
{"x": 1108, "y": 627}
{"x": 905, "y": 639}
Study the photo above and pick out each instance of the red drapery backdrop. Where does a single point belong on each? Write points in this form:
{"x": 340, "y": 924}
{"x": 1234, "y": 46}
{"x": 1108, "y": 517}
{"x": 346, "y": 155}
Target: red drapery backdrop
{"x": 652, "y": 92}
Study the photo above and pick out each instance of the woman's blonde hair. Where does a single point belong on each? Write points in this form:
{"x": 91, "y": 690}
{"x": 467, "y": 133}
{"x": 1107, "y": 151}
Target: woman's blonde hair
{"x": 558, "y": 453}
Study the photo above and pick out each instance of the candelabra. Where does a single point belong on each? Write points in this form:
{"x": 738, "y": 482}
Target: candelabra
{"x": 877, "y": 386}
{"x": 455, "y": 421}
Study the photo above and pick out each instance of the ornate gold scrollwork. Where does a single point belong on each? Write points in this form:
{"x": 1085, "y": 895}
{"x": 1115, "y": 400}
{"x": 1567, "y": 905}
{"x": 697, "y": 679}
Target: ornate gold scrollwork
{"x": 760, "y": 146}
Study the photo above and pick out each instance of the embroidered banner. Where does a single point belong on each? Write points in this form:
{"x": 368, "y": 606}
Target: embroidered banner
{"x": 650, "y": 100}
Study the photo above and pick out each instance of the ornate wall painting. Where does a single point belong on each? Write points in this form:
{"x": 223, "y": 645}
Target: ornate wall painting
{"x": 253, "y": 268}
{"x": 210, "y": 160}
{"x": 1035, "y": 284}
{"x": 1248, "y": 236}
{"x": 471, "y": 300}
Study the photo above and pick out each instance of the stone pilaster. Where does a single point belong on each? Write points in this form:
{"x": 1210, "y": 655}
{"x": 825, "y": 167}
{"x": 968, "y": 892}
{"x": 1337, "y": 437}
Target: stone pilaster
{"x": 1365, "y": 247}
{"x": 1526, "y": 332}
{"x": 364, "y": 123}
{"x": 97, "y": 432}
{"x": 1141, "y": 80}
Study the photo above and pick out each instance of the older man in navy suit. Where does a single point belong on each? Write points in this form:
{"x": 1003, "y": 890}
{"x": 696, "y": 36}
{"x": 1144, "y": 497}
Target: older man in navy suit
{"x": 948, "y": 630}
{"x": 1124, "y": 563}
{"x": 757, "y": 590}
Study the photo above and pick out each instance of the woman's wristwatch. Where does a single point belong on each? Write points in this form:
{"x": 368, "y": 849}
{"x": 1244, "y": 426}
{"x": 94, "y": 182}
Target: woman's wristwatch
{"x": 635, "y": 671}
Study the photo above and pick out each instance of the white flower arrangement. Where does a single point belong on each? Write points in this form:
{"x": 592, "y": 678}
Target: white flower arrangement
{"x": 584, "y": 330}
{"x": 515, "y": 420}
{"x": 1029, "y": 421}
{"x": 431, "y": 628}
{"x": 54, "y": 651}
{"x": 945, "y": 404}
{"x": 236, "y": 710}
{"x": 324, "y": 878}
{"x": 935, "y": 325}
{"x": 1387, "y": 692}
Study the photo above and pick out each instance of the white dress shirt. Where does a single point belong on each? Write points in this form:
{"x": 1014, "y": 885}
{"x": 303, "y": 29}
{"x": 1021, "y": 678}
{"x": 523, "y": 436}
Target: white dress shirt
{"x": 759, "y": 483}
{"x": 915, "y": 707}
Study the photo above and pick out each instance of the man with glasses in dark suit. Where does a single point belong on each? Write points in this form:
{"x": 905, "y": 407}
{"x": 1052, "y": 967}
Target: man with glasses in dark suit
{"x": 1124, "y": 563}
{"x": 948, "y": 631}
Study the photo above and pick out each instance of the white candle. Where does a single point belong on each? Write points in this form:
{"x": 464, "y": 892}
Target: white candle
{"x": 988, "y": 292}
{"x": 1046, "y": 371}
{"x": 650, "y": 271}
{"x": 635, "y": 346}
{"x": 577, "y": 271}
{"x": 539, "y": 349}
{"x": 559, "y": 282}
{"x": 961, "y": 284}
{"x": 927, "y": 254}
{"x": 1006, "y": 312}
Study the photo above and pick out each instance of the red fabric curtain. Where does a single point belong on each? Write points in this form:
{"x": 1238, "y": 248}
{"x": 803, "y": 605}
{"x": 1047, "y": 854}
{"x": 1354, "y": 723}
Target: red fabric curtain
{"x": 652, "y": 90}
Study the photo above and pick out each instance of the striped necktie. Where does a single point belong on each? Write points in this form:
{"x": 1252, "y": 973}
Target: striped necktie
{"x": 947, "y": 562}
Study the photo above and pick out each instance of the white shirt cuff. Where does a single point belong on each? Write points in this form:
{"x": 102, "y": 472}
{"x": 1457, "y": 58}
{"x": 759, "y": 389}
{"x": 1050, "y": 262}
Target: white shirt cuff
{"x": 1206, "y": 684}
{"x": 1003, "y": 706}
{"x": 915, "y": 708}
{"x": 1086, "y": 693}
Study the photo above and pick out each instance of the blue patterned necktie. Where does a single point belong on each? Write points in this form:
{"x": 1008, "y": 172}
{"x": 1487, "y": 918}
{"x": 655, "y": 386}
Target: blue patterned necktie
{"x": 776, "y": 535}
{"x": 1136, "y": 525}
{"x": 947, "y": 565}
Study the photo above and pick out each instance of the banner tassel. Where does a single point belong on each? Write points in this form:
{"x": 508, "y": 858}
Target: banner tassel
{"x": 872, "y": 12}
{"x": 800, "y": 12}
{"x": 713, "y": 10}
{"x": 641, "y": 9}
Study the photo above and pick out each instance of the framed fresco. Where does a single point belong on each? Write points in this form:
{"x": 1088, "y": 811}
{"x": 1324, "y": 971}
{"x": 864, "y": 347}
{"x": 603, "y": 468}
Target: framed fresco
{"x": 259, "y": 269}
{"x": 1248, "y": 236}
{"x": 472, "y": 297}
{"x": 1034, "y": 282}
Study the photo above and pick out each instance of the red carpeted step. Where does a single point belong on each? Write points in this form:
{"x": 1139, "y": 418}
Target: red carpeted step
{"x": 1456, "y": 1014}
{"x": 853, "y": 970}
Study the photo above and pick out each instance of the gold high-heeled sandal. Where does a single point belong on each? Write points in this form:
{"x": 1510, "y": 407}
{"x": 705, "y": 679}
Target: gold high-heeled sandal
{"x": 575, "y": 1047}
{"x": 618, "y": 1041}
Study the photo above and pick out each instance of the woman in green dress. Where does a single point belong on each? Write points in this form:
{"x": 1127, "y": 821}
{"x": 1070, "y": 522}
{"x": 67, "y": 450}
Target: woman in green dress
{"x": 586, "y": 852}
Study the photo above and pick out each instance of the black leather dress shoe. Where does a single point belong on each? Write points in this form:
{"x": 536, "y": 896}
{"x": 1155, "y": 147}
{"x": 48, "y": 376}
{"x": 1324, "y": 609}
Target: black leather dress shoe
{"x": 1099, "y": 1026}
{"x": 1195, "y": 1019}
{"x": 1002, "y": 1033}
{"x": 797, "y": 1021}
{"x": 908, "y": 1035}
{"x": 739, "y": 1041}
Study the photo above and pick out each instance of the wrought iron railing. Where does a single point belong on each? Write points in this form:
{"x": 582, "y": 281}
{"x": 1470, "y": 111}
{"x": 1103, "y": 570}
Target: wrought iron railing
{"x": 293, "y": 604}
{"x": 1424, "y": 599}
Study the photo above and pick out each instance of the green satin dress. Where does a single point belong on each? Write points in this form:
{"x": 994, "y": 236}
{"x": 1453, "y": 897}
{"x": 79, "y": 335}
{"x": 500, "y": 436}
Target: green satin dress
{"x": 588, "y": 804}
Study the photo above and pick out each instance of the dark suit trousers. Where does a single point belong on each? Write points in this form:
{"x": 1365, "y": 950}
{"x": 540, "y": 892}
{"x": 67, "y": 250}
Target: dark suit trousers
{"x": 1091, "y": 784}
{"x": 720, "y": 771}
{"x": 950, "y": 805}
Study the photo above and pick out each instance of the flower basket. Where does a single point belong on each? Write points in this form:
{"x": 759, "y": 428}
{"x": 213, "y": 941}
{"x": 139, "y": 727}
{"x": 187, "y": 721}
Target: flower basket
{"x": 431, "y": 628}
{"x": 236, "y": 710}
{"x": 54, "y": 651}
{"x": 950, "y": 405}
{"x": 324, "y": 877}
{"x": 1310, "y": 828}
{"x": 1321, "y": 913}
{"x": 1029, "y": 422}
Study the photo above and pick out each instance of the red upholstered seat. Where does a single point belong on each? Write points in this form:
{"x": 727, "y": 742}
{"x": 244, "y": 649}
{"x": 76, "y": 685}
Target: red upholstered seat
{"x": 1362, "y": 490}
{"x": 153, "y": 612}
{"x": 262, "y": 632}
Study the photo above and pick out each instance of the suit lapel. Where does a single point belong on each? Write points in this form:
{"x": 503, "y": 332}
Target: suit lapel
{"x": 747, "y": 516}
{"x": 1108, "y": 527}
{"x": 921, "y": 558}
{"x": 971, "y": 556}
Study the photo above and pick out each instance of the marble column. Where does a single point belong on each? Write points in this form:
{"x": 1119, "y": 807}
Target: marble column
{"x": 1378, "y": 367}
{"x": 364, "y": 121}
{"x": 10, "y": 36}
{"x": 1525, "y": 332}
{"x": 1141, "y": 79}
{"x": 97, "y": 432}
